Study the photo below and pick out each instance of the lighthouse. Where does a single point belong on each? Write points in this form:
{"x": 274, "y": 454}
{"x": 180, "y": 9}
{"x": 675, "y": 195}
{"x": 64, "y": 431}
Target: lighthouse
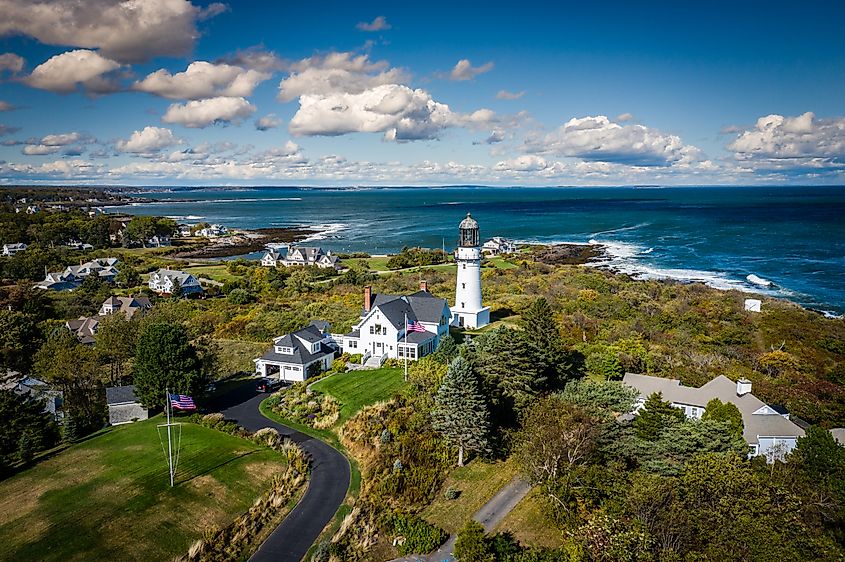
{"x": 468, "y": 311}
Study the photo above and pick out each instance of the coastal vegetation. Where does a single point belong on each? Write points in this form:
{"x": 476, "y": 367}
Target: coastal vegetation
{"x": 537, "y": 393}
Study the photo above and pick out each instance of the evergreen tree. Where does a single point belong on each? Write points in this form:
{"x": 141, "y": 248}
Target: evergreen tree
{"x": 446, "y": 350}
{"x": 26, "y": 447}
{"x": 510, "y": 369}
{"x": 460, "y": 413}
{"x": 165, "y": 359}
{"x": 654, "y": 416}
{"x": 719, "y": 411}
{"x": 543, "y": 334}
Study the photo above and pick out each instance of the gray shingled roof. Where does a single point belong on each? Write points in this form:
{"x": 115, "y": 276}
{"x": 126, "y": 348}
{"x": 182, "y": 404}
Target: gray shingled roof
{"x": 723, "y": 388}
{"x": 301, "y": 354}
{"x": 121, "y": 394}
{"x": 422, "y": 306}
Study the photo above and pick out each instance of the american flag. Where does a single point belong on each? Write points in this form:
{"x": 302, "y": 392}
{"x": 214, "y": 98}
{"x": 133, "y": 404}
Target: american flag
{"x": 182, "y": 402}
{"x": 414, "y": 327}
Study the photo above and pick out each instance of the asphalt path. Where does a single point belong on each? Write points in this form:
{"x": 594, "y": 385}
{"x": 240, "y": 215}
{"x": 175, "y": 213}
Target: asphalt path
{"x": 327, "y": 485}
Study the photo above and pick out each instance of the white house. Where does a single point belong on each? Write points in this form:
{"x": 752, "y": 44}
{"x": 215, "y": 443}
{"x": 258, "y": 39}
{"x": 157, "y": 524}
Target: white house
{"x": 32, "y": 209}
{"x": 127, "y": 305}
{"x": 213, "y": 231}
{"x": 272, "y": 258}
{"x": 163, "y": 281}
{"x": 498, "y": 245}
{"x": 124, "y": 406}
{"x": 298, "y": 355}
{"x": 767, "y": 429}
{"x": 73, "y": 275}
{"x": 35, "y": 389}
{"x": 310, "y": 256}
{"x": 380, "y": 333}
{"x": 158, "y": 241}
{"x": 12, "y": 249}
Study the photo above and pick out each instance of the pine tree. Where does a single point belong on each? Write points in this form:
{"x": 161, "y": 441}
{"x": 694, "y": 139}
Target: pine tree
{"x": 654, "y": 416}
{"x": 543, "y": 334}
{"x": 510, "y": 368}
{"x": 460, "y": 413}
{"x": 471, "y": 545}
{"x": 725, "y": 412}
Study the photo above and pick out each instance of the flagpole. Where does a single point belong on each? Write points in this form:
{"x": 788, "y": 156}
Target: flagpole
{"x": 406, "y": 347}
{"x": 169, "y": 443}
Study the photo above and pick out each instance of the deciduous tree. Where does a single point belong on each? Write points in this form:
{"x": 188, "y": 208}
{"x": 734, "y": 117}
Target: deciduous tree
{"x": 165, "y": 359}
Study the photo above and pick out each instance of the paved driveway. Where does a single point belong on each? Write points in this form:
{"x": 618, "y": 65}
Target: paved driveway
{"x": 327, "y": 485}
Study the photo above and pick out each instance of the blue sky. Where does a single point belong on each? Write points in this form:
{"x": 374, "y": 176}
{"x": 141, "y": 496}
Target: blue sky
{"x": 446, "y": 93}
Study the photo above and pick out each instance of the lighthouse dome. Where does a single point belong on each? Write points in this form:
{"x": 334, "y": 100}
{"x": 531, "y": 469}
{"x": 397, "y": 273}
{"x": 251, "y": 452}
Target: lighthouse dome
{"x": 468, "y": 223}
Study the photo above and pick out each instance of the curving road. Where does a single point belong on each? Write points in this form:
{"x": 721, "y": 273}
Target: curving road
{"x": 327, "y": 485}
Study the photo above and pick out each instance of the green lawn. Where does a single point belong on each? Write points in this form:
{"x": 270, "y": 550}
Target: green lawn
{"x": 356, "y": 389}
{"x": 108, "y": 498}
{"x": 213, "y": 272}
{"x": 530, "y": 524}
{"x": 477, "y": 482}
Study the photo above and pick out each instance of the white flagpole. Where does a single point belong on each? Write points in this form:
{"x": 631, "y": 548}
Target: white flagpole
{"x": 406, "y": 347}
{"x": 169, "y": 445}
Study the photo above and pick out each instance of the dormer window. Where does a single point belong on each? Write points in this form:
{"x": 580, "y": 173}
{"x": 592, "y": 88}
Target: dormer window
{"x": 284, "y": 350}
{"x": 315, "y": 347}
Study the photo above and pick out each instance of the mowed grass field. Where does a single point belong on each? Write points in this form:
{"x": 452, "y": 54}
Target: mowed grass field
{"x": 477, "y": 483}
{"x": 356, "y": 389}
{"x": 109, "y": 498}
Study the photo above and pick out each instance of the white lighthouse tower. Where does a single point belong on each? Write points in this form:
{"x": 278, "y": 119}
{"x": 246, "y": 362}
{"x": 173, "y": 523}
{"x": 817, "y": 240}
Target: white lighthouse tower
{"x": 468, "y": 311}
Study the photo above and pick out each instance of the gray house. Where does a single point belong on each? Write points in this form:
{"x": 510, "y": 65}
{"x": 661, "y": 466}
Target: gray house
{"x": 768, "y": 430}
{"x": 124, "y": 406}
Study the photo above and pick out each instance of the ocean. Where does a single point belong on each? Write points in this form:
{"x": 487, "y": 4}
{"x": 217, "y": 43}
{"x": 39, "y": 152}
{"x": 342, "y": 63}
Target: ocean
{"x": 793, "y": 237}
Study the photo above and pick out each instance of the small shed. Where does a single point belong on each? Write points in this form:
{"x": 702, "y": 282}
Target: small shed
{"x": 753, "y": 305}
{"x": 124, "y": 406}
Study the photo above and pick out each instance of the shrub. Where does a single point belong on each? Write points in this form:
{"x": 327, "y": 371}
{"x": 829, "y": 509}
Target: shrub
{"x": 421, "y": 537}
{"x": 451, "y": 493}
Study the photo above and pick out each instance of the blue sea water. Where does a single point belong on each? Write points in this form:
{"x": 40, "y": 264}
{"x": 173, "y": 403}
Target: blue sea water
{"x": 791, "y": 236}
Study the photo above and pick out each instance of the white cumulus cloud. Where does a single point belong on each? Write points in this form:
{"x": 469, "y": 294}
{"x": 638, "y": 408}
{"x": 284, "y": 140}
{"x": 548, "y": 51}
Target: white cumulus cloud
{"x": 11, "y": 62}
{"x": 202, "y": 113}
{"x": 378, "y": 24}
{"x": 127, "y": 30}
{"x": 465, "y": 71}
{"x": 804, "y": 137}
{"x": 148, "y": 140}
{"x": 267, "y": 122}
{"x": 597, "y": 138}
{"x": 202, "y": 80}
{"x": 64, "y": 72}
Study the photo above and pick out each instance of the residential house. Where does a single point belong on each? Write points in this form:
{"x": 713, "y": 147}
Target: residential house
{"x": 183, "y": 230}
{"x": 12, "y": 249}
{"x": 103, "y": 268}
{"x": 164, "y": 280}
{"x": 498, "y": 245}
{"x": 32, "y": 209}
{"x": 381, "y": 331}
{"x": 213, "y": 231}
{"x": 272, "y": 258}
{"x": 35, "y": 389}
{"x": 158, "y": 241}
{"x": 84, "y": 328}
{"x": 77, "y": 245}
{"x": 124, "y": 406}
{"x": 298, "y": 355}
{"x": 310, "y": 256}
{"x": 127, "y": 305}
{"x": 768, "y": 430}
{"x": 59, "y": 281}
{"x": 838, "y": 435}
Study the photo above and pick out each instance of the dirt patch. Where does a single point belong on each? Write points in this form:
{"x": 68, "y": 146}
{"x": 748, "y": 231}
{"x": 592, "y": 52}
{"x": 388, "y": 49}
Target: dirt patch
{"x": 264, "y": 471}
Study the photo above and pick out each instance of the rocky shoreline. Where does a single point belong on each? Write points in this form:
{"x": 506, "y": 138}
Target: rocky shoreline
{"x": 247, "y": 242}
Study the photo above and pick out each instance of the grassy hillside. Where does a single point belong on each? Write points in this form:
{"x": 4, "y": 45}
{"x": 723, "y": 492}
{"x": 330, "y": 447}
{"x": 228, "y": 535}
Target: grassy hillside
{"x": 108, "y": 498}
{"x": 356, "y": 389}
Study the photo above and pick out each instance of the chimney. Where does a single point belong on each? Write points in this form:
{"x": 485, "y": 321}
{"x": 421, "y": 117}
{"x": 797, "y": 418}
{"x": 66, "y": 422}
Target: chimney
{"x": 743, "y": 387}
{"x": 424, "y": 286}
{"x": 368, "y": 298}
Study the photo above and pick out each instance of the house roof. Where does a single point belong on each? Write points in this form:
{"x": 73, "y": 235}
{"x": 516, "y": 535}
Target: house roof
{"x": 300, "y": 356}
{"x": 420, "y": 337}
{"x": 84, "y": 328}
{"x": 422, "y": 306}
{"x": 120, "y": 394}
{"x": 839, "y": 434}
{"x": 321, "y": 325}
{"x": 128, "y": 305}
{"x": 755, "y": 424}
